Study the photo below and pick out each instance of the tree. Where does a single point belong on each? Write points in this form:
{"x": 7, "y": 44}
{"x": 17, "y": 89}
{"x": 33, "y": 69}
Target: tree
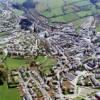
{"x": 33, "y": 64}
{"x": 3, "y": 74}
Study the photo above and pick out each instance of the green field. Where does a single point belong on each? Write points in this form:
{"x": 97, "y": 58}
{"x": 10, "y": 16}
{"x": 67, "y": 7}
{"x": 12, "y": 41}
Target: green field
{"x": 18, "y": 12}
{"x": 3, "y": 34}
{"x": 79, "y": 98}
{"x": 13, "y": 63}
{"x": 64, "y": 10}
{"x": 1, "y": 56}
{"x": 98, "y": 28}
{"x": 9, "y": 94}
{"x": 53, "y": 12}
{"x": 18, "y": 1}
{"x": 68, "y": 18}
{"x": 82, "y": 2}
{"x": 74, "y": 10}
{"x": 46, "y": 64}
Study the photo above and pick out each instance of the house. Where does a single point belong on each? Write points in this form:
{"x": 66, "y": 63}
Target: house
{"x": 97, "y": 76}
{"x": 69, "y": 76}
{"x": 97, "y": 95}
{"x": 95, "y": 82}
{"x": 97, "y": 71}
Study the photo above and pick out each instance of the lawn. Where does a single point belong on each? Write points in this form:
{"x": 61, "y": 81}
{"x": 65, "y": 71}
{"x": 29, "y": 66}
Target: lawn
{"x": 9, "y": 94}
{"x": 66, "y": 18}
{"x": 98, "y": 28}
{"x": 77, "y": 23}
{"x": 41, "y": 59}
{"x": 79, "y": 98}
{"x": 84, "y": 13}
{"x": 82, "y": 2}
{"x": 1, "y": 56}
{"x": 53, "y": 3}
{"x": 53, "y": 12}
{"x": 13, "y": 63}
{"x": 18, "y": 12}
{"x": 52, "y": 8}
{"x": 46, "y": 64}
{"x": 73, "y": 1}
{"x": 3, "y": 33}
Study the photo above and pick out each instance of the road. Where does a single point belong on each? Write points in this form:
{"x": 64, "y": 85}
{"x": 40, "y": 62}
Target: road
{"x": 44, "y": 92}
{"x": 24, "y": 84}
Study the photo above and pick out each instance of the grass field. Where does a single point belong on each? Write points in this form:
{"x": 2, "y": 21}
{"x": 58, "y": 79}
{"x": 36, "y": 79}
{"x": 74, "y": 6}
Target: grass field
{"x": 13, "y": 63}
{"x": 9, "y": 94}
{"x": 64, "y": 10}
{"x": 98, "y": 28}
{"x": 52, "y": 9}
{"x": 3, "y": 34}
{"x": 18, "y": 12}
{"x": 46, "y": 64}
{"x": 1, "y": 56}
{"x": 82, "y": 2}
{"x": 72, "y": 1}
{"x": 66, "y": 18}
{"x": 53, "y": 12}
{"x": 53, "y": 3}
{"x": 18, "y": 1}
{"x": 79, "y": 98}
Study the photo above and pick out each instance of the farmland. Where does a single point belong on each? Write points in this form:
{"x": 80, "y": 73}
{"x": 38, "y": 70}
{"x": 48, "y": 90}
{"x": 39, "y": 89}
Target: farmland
{"x": 68, "y": 10}
{"x": 65, "y": 11}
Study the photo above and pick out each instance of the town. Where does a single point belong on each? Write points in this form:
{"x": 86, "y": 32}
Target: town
{"x": 62, "y": 64}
